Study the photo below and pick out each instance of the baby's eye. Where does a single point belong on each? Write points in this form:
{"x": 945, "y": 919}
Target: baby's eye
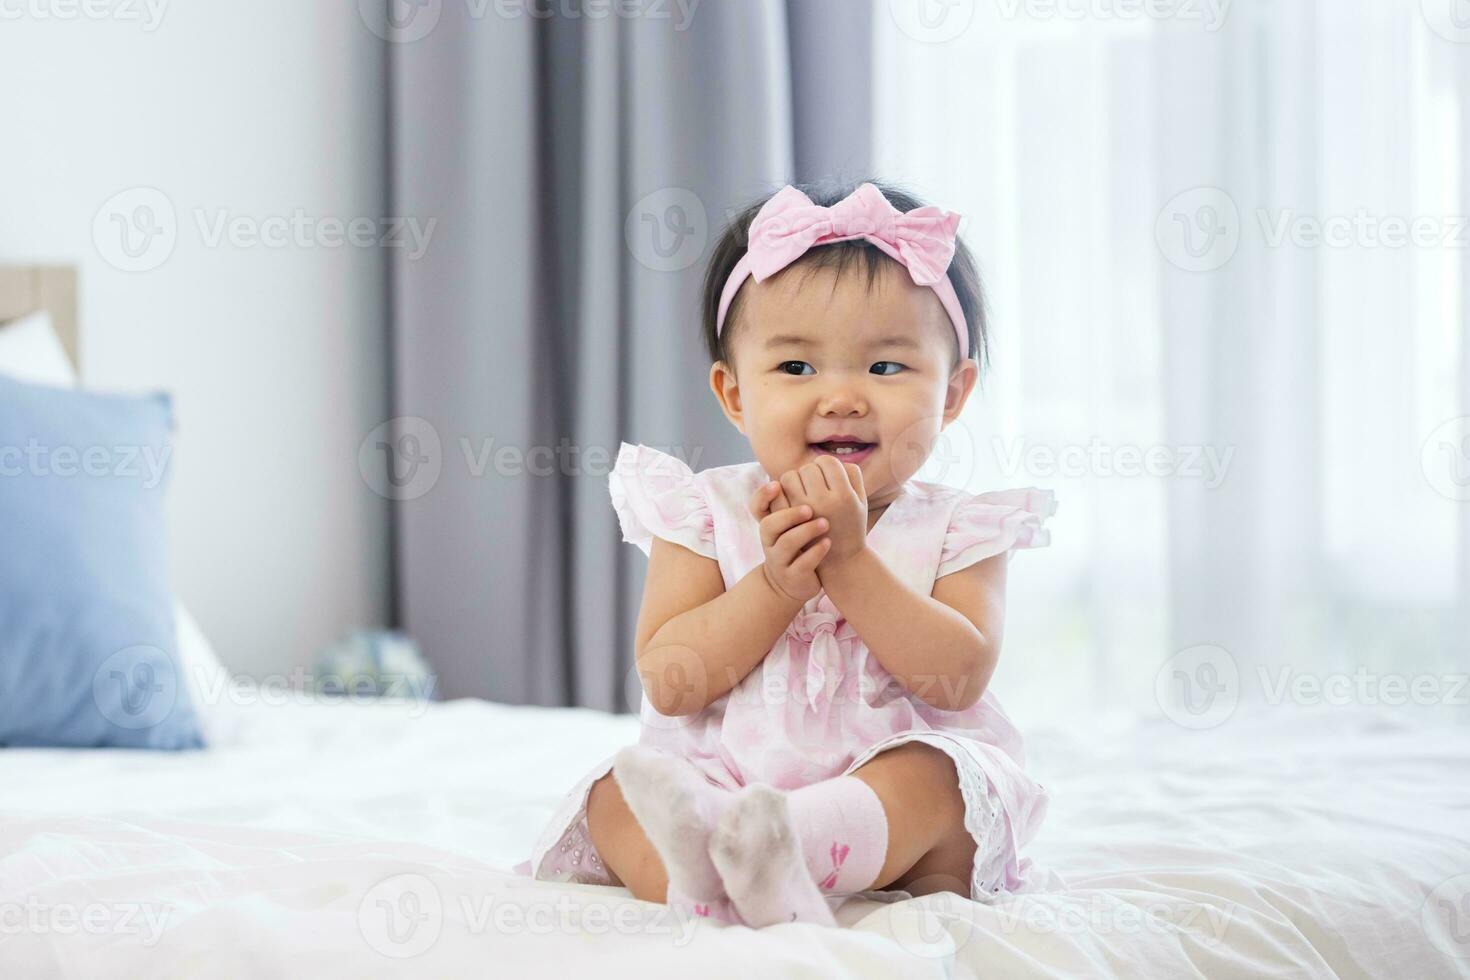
{"x": 799, "y": 365}
{"x": 893, "y": 364}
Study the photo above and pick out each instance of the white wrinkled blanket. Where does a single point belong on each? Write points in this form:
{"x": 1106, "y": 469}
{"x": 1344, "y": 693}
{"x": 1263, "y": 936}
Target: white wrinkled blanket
{"x": 376, "y": 840}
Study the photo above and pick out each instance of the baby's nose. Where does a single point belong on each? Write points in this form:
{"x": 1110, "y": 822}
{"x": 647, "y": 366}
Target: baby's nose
{"x": 843, "y": 401}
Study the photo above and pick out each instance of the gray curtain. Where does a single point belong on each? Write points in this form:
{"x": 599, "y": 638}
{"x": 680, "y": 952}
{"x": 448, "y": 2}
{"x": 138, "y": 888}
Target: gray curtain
{"x": 533, "y": 335}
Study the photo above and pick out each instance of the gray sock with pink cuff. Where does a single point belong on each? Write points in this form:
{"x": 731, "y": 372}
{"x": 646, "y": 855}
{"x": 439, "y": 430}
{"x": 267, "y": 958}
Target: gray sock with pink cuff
{"x": 677, "y": 807}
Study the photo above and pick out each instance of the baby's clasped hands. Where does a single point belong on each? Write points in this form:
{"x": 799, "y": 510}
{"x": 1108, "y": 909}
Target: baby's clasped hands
{"x": 824, "y": 497}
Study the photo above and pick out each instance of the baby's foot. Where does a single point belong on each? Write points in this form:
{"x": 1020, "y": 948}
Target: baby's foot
{"x": 758, "y": 853}
{"x": 717, "y": 909}
{"x": 677, "y": 808}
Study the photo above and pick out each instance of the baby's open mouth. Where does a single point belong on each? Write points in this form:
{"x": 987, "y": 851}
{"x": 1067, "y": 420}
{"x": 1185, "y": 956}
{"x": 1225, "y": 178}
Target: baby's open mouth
{"x": 844, "y": 447}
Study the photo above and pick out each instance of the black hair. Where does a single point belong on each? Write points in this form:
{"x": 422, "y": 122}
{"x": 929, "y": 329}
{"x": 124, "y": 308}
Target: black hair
{"x": 963, "y": 273}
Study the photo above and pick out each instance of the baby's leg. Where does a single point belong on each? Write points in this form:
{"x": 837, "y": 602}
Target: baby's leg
{"x": 929, "y": 849}
{"x": 635, "y": 861}
{"x": 625, "y": 849}
{"x": 897, "y": 820}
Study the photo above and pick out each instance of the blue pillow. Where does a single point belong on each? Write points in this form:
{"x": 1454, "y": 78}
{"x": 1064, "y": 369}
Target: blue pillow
{"x": 88, "y": 654}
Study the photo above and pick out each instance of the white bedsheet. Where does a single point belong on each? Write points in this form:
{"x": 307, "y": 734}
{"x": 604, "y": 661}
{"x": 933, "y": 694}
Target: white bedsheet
{"x": 376, "y": 840}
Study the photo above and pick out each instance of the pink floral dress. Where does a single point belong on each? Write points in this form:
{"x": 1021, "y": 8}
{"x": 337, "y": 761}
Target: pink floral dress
{"x": 820, "y": 705}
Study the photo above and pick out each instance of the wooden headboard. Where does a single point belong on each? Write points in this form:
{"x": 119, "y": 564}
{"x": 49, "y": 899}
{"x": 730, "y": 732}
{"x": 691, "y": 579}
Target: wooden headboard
{"x": 28, "y": 288}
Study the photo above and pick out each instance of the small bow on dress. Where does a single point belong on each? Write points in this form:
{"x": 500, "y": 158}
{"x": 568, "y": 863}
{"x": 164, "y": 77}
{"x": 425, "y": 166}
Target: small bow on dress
{"x": 822, "y": 628}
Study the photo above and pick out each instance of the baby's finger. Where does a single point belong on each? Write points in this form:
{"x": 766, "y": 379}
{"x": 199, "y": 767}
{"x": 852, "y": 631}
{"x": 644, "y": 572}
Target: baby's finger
{"x": 832, "y": 469}
{"x": 809, "y": 559}
{"x": 855, "y": 477}
{"x": 791, "y": 487}
{"x": 812, "y": 480}
{"x": 788, "y": 544}
{"x": 779, "y": 522}
{"x": 760, "y": 502}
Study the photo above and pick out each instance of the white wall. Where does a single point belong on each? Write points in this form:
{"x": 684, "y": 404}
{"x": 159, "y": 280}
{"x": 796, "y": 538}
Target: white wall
{"x": 276, "y": 355}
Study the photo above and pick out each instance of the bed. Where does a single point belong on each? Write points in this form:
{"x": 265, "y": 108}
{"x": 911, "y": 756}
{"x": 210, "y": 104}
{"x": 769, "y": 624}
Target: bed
{"x": 352, "y": 840}
{"x": 377, "y": 838}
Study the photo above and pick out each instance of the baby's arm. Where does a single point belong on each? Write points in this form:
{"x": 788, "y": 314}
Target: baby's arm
{"x": 695, "y": 640}
{"x": 942, "y": 647}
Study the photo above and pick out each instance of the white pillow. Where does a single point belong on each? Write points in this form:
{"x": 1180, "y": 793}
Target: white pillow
{"x": 30, "y": 351}
{"x": 207, "y": 679}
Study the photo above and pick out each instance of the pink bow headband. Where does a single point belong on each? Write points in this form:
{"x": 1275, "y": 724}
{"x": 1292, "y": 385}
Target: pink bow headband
{"x": 921, "y": 240}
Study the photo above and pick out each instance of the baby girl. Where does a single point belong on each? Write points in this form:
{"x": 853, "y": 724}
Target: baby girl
{"x": 818, "y": 628}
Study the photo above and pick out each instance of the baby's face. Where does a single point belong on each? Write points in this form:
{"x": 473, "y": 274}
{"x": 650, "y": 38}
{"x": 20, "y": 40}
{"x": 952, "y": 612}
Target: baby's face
{"x": 825, "y": 357}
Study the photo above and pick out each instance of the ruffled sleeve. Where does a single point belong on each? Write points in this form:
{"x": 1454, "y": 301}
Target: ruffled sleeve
{"x": 986, "y": 524}
{"x": 656, "y": 495}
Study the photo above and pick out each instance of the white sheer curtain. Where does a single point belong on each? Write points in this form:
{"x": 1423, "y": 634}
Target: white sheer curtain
{"x": 1142, "y": 193}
